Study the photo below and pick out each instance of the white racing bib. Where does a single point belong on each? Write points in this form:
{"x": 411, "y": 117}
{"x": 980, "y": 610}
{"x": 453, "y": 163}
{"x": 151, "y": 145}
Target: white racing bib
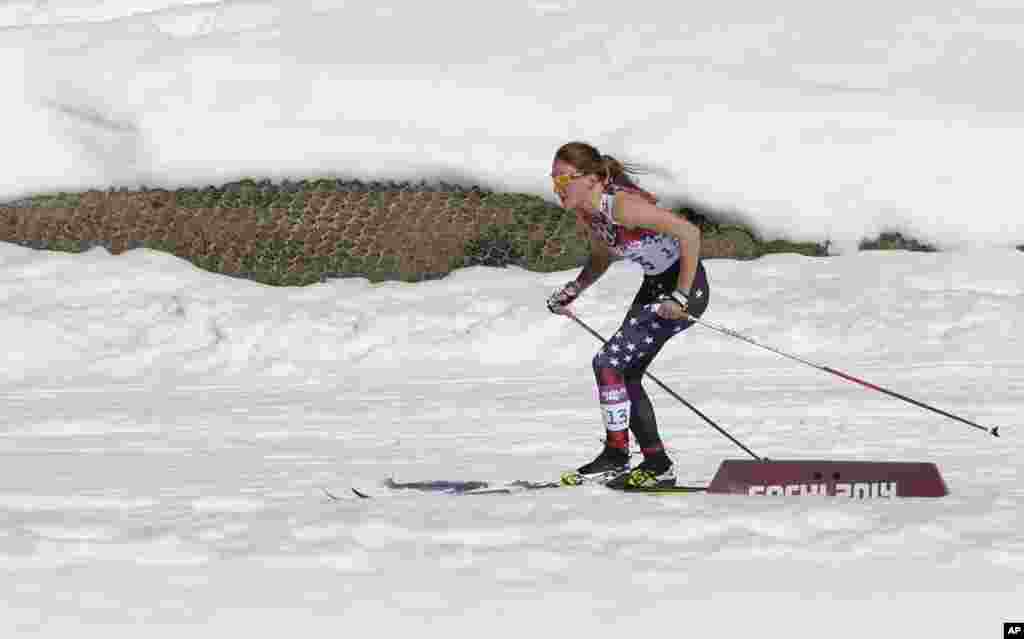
{"x": 614, "y": 407}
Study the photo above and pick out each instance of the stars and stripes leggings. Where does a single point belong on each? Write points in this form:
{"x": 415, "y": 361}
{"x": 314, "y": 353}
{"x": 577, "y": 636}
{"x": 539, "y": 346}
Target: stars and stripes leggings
{"x": 619, "y": 366}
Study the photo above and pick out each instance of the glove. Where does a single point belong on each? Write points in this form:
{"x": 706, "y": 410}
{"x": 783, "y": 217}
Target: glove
{"x": 563, "y": 297}
{"x": 672, "y": 307}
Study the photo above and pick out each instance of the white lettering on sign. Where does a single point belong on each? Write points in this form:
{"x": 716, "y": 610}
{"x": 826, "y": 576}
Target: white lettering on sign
{"x": 852, "y": 490}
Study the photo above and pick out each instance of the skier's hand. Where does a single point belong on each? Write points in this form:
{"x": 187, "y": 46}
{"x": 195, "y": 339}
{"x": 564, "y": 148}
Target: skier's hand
{"x": 671, "y": 308}
{"x": 559, "y": 301}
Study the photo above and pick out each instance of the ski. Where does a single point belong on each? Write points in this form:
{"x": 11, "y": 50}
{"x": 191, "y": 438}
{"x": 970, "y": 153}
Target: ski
{"x": 448, "y": 487}
{"x": 466, "y": 488}
{"x": 664, "y": 490}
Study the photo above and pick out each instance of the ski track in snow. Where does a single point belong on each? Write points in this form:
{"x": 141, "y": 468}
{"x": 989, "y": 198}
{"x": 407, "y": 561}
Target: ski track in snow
{"x": 170, "y": 493}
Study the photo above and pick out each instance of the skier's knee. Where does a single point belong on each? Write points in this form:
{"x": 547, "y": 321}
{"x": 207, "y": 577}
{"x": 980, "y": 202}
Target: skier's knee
{"x": 606, "y": 375}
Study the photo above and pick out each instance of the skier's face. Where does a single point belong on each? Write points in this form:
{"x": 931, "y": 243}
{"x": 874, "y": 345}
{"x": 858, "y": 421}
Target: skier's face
{"x": 572, "y": 187}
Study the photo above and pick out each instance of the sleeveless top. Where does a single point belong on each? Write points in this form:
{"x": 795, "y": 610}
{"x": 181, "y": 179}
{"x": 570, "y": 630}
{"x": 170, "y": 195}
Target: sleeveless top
{"x": 655, "y": 252}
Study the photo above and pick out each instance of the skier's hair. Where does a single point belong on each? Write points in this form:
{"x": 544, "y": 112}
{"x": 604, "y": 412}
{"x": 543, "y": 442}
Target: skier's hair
{"x": 589, "y": 161}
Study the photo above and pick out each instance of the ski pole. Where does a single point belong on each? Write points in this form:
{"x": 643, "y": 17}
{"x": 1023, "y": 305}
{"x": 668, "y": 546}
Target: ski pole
{"x": 670, "y": 391}
{"x": 721, "y": 329}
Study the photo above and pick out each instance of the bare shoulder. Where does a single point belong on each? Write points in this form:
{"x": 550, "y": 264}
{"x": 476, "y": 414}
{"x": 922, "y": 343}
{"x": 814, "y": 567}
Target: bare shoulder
{"x": 634, "y": 210}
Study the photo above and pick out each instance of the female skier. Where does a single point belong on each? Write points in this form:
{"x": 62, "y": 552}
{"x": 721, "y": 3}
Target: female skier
{"x": 622, "y": 221}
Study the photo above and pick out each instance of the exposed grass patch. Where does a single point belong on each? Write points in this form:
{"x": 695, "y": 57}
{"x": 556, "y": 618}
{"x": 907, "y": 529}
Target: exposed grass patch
{"x": 306, "y": 231}
{"x": 895, "y": 242}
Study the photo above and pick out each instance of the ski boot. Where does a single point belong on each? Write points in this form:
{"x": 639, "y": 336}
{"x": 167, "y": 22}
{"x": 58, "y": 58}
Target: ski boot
{"x": 611, "y": 463}
{"x": 653, "y": 472}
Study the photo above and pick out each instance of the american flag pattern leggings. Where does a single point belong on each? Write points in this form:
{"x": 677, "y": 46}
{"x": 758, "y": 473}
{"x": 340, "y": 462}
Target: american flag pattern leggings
{"x": 619, "y": 366}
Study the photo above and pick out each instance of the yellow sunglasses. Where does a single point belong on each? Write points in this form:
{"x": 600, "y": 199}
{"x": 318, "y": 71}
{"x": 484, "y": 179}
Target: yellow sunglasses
{"x": 562, "y": 181}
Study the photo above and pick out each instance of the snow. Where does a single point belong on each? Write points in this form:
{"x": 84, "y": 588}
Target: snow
{"x": 169, "y": 432}
{"x": 811, "y": 123}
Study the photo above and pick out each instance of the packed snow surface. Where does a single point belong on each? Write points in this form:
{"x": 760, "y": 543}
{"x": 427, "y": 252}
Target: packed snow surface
{"x": 169, "y": 433}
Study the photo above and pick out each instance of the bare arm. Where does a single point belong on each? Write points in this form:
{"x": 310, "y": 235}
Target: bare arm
{"x": 633, "y": 211}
